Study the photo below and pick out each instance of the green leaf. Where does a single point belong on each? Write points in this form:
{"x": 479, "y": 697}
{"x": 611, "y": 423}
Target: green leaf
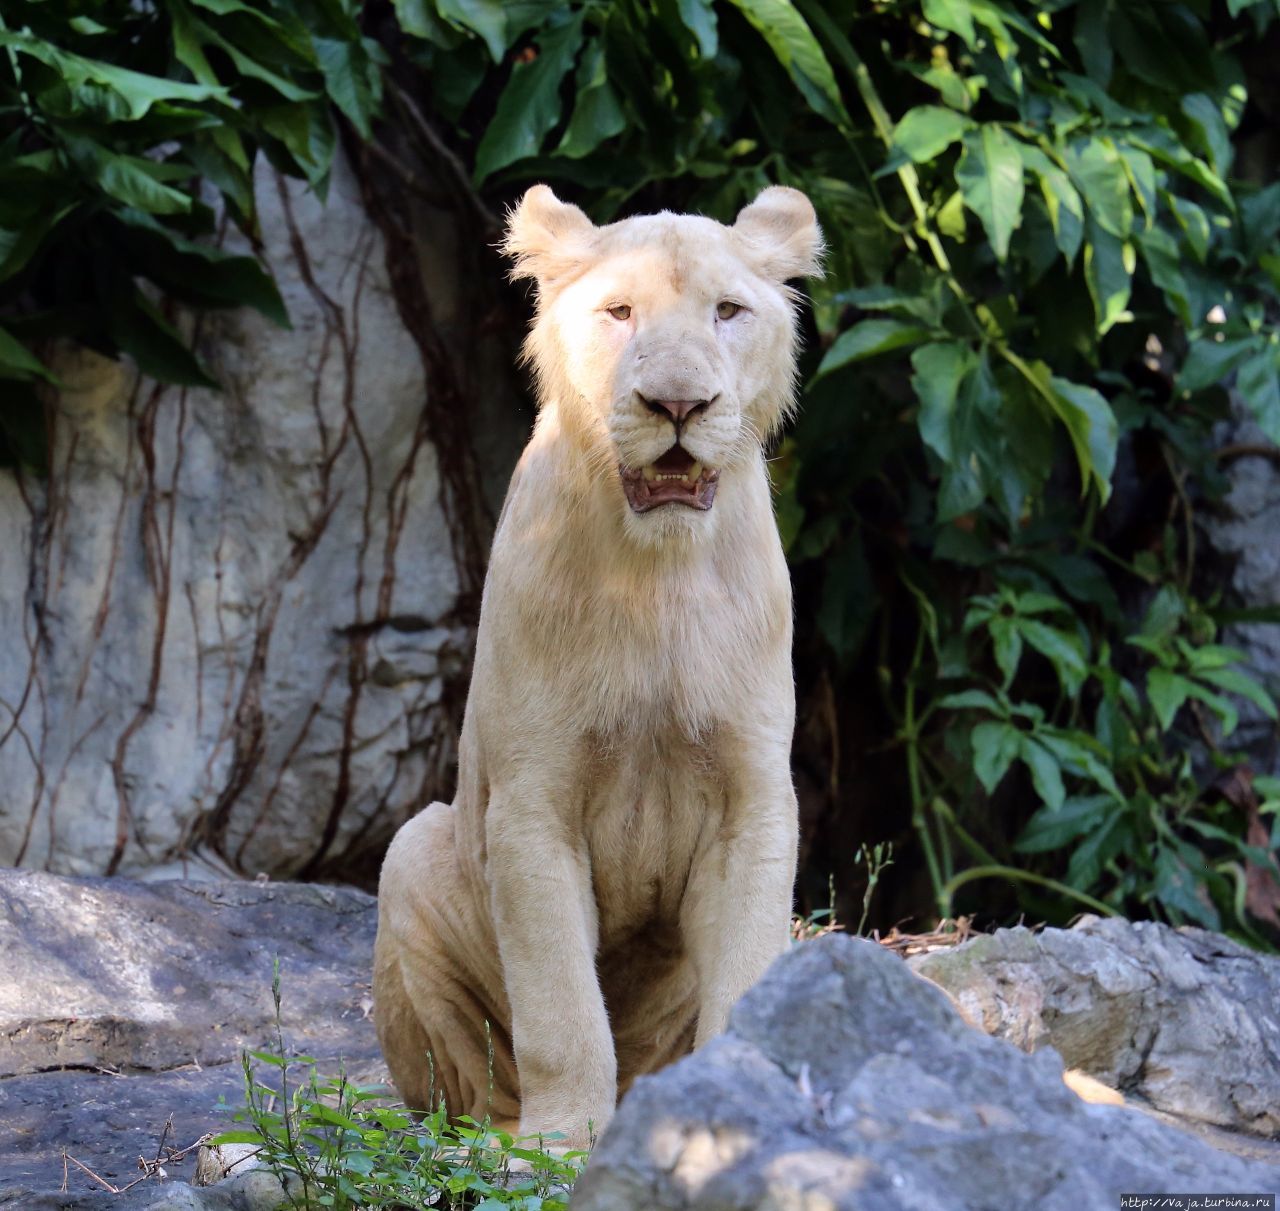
{"x": 1046, "y": 776}
{"x": 1099, "y": 173}
{"x": 1227, "y": 714}
{"x": 978, "y": 700}
{"x": 1076, "y": 756}
{"x": 1108, "y": 269}
{"x": 1092, "y": 427}
{"x": 1006, "y": 641}
{"x": 142, "y": 332}
{"x": 1066, "y": 210}
{"x": 417, "y": 18}
{"x": 869, "y": 338}
{"x": 924, "y": 304}
{"x": 1209, "y": 131}
{"x": 350, "y": 81}
{"x": 938, "y": 370}
{"x": 1168, "y": 692}
{"x": 18, "y": 362}
{"x": 928, "y": 130}
{"x": 1092, "y": 42}
{"x": 17, "y": 247}
{"x": 1194, "y": 223}
{"x": 1098, "y": 847}
{"x": 1260, "y": 389}
{"x": 961, "y": 491}
{"x": 139, "y": 91}
{"x": 1165, "y": 147}
{"x": 189, "y": 36}
{"x": 1164, "y": 614}
{"x": 530, "y": 104}
{"x": 132, "y": 180}
{"x": 1031, "y": 603}
{"x": 950, "y": 218}
{"x": 1209, "y": 361}
{"x": 1236, "y": 682}
{"x": 792, "y": 41}
{"x": 989, "y": 175}
{"x": 1062, "y": 650}
{"x": 597, "y": 114}
{"x": 484, "y": 17}
{"x": 1160, "y": 252}
{"x": 1260, "y": 218}
{"x": 1180, "y": 889}
{"x": 308, "y": 136}
{"x": 995, "y": 745}
{"x": 1142, "y": 178}
{"x": 954, "y": 88}
{"x": 955, "y": 16}
{"x": 699, "y": 17}
{"x": 1052, "y": 828}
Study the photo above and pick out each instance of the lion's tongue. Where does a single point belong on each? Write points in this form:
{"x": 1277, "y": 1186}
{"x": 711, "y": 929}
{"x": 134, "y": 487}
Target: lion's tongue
{"x": 675, "y": 461}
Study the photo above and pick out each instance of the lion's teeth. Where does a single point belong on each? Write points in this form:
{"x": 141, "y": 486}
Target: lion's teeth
{"x": 650, "y": 474}
{"x": 695, "y": 471}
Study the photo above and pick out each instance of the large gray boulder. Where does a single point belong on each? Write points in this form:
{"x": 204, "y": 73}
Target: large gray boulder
{"x": 1186, "y": 1020}
{"x": 846, "y": 1082}
{"x": 235, "y": 627}
{"x": 125, "y": 1004}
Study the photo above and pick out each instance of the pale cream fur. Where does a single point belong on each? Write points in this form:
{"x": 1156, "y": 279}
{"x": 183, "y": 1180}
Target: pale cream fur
{"x": 617, "y": 866}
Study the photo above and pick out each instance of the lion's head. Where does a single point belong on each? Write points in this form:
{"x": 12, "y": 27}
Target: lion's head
{"x": 666, "y": 342}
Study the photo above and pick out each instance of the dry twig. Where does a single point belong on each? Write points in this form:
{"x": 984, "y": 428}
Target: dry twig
{"x": 155, "y": 1167}
{"x": 949, "y": 933}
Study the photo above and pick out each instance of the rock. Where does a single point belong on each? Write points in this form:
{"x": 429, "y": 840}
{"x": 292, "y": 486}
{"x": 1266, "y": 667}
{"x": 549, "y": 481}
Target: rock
{"x": 216, "y": 1162}
{"x": 1184, "y": 1019}
{"x": 254, "y": 1192}
{"x": 1240, "y": 532}
{"x": 846, "y": 1082}
{"x": 126, "y": 1004}
{"x": 236, "y": 625}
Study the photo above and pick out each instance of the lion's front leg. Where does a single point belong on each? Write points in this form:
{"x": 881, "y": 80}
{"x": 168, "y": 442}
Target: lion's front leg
{"x": 545, "y": 913}
{"x": 737, "y": 911}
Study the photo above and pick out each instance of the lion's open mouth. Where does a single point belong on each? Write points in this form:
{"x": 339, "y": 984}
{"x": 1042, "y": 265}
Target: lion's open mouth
{"x": 677, "y": 478}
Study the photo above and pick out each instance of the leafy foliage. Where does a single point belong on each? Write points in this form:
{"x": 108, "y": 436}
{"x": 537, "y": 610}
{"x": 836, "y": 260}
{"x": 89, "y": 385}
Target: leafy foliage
{"x": 339, "y": 1145}
{"x": 117, "y": 121}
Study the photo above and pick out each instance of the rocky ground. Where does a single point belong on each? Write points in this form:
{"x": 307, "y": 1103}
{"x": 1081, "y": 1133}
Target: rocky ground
{"x": 125, "y": 1007}
{"x": 845, "y": 1082}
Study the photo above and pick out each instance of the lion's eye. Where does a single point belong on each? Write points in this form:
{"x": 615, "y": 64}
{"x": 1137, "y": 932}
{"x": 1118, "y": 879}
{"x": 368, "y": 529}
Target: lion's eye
{"x": 727, "y": 310}
{"x": 621, "y": 312}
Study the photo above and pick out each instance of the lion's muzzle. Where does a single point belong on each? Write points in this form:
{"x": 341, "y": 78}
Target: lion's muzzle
{"x": 675, "y": 478}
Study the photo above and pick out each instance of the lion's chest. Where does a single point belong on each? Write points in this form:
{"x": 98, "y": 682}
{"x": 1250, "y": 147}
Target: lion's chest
{"x": 653, "y": 806}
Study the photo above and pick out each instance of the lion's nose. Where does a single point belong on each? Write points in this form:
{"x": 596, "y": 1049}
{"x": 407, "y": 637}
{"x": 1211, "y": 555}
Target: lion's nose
{"x": 678, "y": 409}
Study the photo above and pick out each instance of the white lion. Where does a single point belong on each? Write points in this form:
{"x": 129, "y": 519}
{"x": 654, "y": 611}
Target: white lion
{"x": 617, "y": 867}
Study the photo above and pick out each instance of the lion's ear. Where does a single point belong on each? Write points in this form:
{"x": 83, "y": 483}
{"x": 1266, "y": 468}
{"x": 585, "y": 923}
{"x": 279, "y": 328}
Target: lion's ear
{"x": 781, "y": 231}
{"x": 546, "y": 237}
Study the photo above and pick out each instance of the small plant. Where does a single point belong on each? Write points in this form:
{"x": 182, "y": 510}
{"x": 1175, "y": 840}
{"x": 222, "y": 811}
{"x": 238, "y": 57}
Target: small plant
{"x": 332, "y": 1143}
{"x": 877, "y": 859}
{"x": 820, "y": 921}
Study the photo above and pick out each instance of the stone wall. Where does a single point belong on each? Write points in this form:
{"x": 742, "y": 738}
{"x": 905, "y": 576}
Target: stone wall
{"x": 235, "y": 627}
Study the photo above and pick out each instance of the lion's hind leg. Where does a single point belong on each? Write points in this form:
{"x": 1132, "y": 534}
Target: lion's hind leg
{"x": 442, "y": 1027}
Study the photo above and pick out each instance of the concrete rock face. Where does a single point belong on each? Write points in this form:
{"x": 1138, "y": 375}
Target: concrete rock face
{"x": 127, "y": 1003}
{"x": 1187, "y": 1021}
{"x": 845, "y": 1082}
{"x": 235, "y": 627}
